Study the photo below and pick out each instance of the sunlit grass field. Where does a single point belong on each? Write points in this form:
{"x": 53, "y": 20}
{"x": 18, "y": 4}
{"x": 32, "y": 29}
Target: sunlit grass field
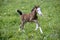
{"x": 10, "y": 20}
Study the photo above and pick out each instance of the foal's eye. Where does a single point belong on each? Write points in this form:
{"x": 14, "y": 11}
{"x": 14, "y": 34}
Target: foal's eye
{"x": 38, "y": 8}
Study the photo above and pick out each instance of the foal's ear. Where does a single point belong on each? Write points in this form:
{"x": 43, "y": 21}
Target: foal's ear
{"x": 36, "y": 6}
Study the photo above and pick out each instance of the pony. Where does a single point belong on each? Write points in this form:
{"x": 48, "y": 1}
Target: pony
{"x": 31, "y": 17}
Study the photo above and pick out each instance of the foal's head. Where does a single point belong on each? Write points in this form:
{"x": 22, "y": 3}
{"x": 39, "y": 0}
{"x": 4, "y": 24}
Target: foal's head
{"x": 37, "y": 10}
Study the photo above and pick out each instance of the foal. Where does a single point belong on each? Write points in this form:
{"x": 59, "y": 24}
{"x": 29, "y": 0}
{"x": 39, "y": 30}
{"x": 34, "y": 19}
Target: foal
{"x": 32, "y": 17}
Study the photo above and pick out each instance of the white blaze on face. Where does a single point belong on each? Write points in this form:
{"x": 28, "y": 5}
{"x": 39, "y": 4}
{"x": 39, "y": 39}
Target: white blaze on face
{"x": 39, "y": 11}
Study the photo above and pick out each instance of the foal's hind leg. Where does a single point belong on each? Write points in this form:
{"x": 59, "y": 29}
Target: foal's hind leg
{"x": 22, "y": 25}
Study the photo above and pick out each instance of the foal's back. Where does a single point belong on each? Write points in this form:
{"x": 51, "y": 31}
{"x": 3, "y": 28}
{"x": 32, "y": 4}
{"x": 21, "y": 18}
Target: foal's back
{"x": 27, "y": 17}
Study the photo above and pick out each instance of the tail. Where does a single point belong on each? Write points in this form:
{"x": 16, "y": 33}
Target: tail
{"x": 19, "y": 12}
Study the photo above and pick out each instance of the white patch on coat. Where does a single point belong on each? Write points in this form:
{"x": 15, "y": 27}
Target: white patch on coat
{"x": 36, "y": 26}
{"x": 41, "y": 30}
{"x": 39, "y": 11}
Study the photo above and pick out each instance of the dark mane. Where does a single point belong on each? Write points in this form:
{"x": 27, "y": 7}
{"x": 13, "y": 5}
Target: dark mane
{"x": 36, "y": 6}
{"x": 32, "y": 9}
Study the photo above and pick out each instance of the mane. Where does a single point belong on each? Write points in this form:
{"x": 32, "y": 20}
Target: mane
{"x": 36, "y": 6}
{"x": 32, "y": 9}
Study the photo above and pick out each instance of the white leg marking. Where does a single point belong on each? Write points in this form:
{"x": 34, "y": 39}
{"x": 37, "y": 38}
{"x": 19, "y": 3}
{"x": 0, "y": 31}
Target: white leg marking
{"x": 23, "y": 30}
{"x": 19, "y": 29}
{"x": 41, "y": 30}
{"x": 36, "y": 26}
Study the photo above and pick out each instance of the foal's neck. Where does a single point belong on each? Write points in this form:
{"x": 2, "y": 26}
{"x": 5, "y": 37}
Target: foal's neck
{"x": 34, "y": 11}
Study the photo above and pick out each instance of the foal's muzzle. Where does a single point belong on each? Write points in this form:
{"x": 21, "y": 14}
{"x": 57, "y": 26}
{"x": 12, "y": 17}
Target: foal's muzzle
{"x": 40, "y": 14}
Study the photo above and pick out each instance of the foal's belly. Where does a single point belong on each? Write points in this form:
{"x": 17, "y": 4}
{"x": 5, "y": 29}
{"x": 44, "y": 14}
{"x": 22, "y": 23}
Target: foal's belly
{"x": 29, "y": 19}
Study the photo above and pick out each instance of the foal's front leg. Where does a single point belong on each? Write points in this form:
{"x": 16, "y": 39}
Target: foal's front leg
{"x": 37, "y": 26}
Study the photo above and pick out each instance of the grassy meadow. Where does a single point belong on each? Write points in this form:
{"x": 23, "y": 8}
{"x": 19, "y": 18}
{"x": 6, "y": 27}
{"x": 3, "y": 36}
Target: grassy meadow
{"x": 10, "y": 20}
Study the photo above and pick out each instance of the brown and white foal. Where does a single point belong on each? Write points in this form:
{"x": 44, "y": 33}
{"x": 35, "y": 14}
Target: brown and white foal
{"x": 31, "y": 17}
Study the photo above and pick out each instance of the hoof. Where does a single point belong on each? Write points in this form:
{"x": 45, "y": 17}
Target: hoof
{"x": 41, "y": 30}
{"x": 35, "y": 29}
{"x": 19, "y": 29}
{"x": 23, "y": 30}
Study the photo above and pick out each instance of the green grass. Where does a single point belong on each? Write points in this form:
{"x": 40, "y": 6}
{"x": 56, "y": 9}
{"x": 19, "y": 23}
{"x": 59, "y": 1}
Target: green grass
{"x": 10, "y": 20}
